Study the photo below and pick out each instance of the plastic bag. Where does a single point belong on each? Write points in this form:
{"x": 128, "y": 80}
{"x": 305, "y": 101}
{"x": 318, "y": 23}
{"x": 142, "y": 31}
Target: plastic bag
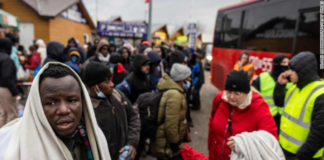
{"x": 22, "y": 75}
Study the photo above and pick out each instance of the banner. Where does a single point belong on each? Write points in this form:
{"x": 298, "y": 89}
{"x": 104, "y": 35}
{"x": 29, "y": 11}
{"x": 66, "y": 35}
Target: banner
{"x": 122, "y": 29}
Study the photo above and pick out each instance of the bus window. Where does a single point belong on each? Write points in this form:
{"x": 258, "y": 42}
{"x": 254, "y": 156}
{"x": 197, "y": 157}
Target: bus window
{"x": 308, "y": 32}
{"x": 227, "y": 30}
{"x": 273, "y": 27}
{"x": 218, "y": 30}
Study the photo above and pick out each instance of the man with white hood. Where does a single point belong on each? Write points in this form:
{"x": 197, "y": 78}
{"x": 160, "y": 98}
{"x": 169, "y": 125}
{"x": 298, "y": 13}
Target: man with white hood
{"x": 58, "y": 123}
{"x": 41, "y": 49}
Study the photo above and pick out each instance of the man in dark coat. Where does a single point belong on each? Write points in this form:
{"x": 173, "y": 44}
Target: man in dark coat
{"x": 54, "y": 52}
{"x": 126, "y": 57}
{"x": 176, "y": 57}
{"x": 114, "y": 112}
{"x": 92, "y": 50}
{"x": 112, "y": 47}
{"x": 303, "y": 73}
{"x": 280, "y": 65}
{"x": 8, "y": 87}
{"x": 155, "y": 75}
{"x": 277, "y": 69}
{"x": 137, "y": 79}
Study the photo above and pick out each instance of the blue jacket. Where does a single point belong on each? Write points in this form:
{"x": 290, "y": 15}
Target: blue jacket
{"x": 195, "y": 71}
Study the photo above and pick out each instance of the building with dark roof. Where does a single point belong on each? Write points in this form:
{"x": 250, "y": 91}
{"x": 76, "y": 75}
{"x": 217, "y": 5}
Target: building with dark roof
{"x": 51, "y": 20}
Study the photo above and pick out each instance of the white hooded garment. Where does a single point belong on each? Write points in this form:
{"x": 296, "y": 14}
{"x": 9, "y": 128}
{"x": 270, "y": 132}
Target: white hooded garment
{"x": 32, "y": 137}
{"x": 42, "y": 50}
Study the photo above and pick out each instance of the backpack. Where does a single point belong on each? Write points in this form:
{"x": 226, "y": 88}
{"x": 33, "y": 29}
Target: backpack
{"x": 119, "y": 97}
{"x": 124, "y": 84}
{"x": 148, "y": 106}
{"x": 37, "y": 69}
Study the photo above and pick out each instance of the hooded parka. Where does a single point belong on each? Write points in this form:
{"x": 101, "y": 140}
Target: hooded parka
{"x": 172, "y": 110}
{"x": 137, "y": 80}
{"x": 54, "y": 52}
{"x": 305, "y": 65}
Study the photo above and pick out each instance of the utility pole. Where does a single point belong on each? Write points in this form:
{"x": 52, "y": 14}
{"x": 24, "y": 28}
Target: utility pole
{"x": 190, "y": 16}
{"x": 149, "y": 35}
{"x": 97, "y": 12}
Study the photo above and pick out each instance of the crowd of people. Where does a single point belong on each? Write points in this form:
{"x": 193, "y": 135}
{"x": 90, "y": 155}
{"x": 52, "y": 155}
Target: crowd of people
{"x": 99, "y": 103}
{"x": 113, "y": 78}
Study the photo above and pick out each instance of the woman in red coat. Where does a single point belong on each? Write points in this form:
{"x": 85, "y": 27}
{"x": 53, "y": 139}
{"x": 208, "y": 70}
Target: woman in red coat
{"x": 236, "y": 110}
{"x": 35, "y": 58}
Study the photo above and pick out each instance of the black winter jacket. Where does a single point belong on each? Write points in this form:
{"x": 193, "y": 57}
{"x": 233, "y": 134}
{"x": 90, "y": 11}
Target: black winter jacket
{"x": 126, "y": 62}
{"x": 8, "y": 77}
{"x": 119, "y": 77}
{"x": 54, "y": 52}
{"x": 305, "y": 65}
{"x": 118, "y": 121}
{"x": 137, "y": 80}
{"x": 91, "y": 52}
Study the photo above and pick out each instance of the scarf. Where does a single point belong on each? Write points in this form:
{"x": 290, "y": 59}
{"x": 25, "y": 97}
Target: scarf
{"x": 104, "y": 59}
{"x": 247, "y": 101}
{"x": 85, "y": 140}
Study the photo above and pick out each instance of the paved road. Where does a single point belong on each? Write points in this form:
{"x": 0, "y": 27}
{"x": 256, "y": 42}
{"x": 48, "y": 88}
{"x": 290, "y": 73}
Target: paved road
{"x": 199, "y": 132}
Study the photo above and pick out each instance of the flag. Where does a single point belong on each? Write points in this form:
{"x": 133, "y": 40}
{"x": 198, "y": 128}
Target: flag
{"x": 147, "y": 1}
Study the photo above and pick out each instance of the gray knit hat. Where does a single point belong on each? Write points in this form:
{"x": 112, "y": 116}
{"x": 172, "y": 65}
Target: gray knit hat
{"x": 180, "y": 72}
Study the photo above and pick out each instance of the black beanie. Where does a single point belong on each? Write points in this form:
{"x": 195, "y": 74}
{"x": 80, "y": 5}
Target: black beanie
{"x": 238, "y": 81}
{"x": 95, "y": 73}
{"x": 115, "y": 58}
{"x": 177, "y": 57}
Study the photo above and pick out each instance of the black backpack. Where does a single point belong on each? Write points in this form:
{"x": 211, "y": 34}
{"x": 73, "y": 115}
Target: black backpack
{"x": 148, "y": 106}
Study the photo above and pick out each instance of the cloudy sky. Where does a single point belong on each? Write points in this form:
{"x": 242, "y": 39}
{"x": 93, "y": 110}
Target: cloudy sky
{"x": 172, "y": 12}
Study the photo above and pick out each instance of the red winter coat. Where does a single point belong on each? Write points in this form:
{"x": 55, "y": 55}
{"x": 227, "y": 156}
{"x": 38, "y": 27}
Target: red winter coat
{"x": 34, "y": 61}
{"x": 254, "y": 117}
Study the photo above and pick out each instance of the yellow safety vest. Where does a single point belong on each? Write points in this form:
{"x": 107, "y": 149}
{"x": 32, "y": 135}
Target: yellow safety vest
{"x": 296, "y": 118}
{"x": 267, "y": 86}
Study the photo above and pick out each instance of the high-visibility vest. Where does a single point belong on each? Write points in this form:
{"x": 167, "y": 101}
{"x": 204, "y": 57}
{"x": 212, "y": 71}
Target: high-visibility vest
{"x": 297, "y": 116}
{"x": 246, "y": 68}
{"x": 267, "y": 86}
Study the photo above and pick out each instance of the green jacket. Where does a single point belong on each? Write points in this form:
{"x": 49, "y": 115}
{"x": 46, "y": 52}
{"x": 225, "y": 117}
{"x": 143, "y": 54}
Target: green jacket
{"x": 172, "y": 109}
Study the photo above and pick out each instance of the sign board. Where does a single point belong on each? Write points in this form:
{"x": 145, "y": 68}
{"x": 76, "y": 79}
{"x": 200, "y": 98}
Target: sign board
{"x": 162, "y": 35}
{"x": 122, "y": 29}
{"x": 8, "y": 20}
{"x": 182, "y": 38}
{"x": 74, "y": 14}
{"x": 192, "y": 29}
